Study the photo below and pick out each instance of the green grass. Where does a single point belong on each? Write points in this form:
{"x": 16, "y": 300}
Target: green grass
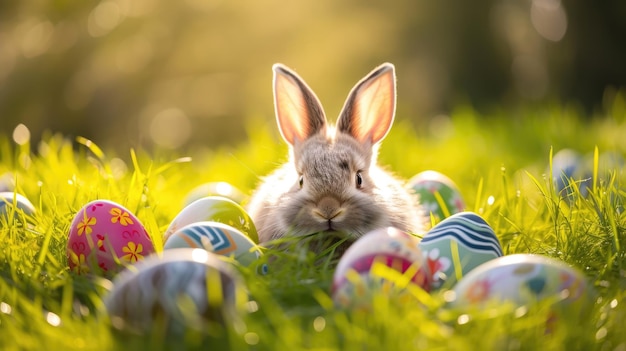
{"x": 501, "y": 163}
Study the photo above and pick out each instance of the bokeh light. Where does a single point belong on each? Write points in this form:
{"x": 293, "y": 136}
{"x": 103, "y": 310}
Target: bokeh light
{"x": 104, "y": 70}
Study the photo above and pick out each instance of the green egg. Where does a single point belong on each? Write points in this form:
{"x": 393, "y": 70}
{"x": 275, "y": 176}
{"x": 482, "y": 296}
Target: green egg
{"x": 214, "y": 209}
{"x": 438, "y": 194}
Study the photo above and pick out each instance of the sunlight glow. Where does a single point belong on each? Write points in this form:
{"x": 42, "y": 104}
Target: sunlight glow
{"x": 104, "y": 18}
{"x": 53, "y": 319}
{"x": 200, "y": 255}
{"x": 463, "y": 319}
{"x": 5, "y": 308}
{"x": 319, "y": 324}
{"x": 251, "y": 338}
{"x": 21, "y": 134}
{"x": 549, "y": 19}
{"x": 170, "y": 128}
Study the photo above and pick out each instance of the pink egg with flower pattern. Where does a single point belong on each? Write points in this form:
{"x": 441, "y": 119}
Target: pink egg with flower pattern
{"x": 104, "y": 237}
{"x": 385, "y": 260}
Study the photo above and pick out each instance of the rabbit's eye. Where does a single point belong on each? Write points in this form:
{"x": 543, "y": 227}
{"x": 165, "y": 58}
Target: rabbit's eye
{"x": 359, "y": 180}
{"x": 301, "y": 181}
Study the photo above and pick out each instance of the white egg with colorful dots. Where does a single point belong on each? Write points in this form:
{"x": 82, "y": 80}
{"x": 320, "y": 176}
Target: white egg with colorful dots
{"x": 457, "y": 245}
{"x": 522, "y": 279}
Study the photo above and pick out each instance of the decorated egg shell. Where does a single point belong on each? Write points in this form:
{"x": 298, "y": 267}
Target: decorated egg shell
{"x": 223, "y": 189}
{"x": 569, "y": 166}
{"x": 104, "y": 237}
{"x": 216, "y": 237}
{"x": 215, "y": 209}
{"x": 521, "y": 279}
{"x": 21, "y": 204}
{"x": 438, "y": 194}
{"x": 357, "y": 275}
{"x": 7, "y": 182}
{"x": 182, "y": 288}
{"x": 457, "y": 245}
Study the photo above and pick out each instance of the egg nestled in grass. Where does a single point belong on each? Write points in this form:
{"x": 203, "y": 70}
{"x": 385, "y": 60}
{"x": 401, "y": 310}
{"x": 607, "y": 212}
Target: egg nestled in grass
{"x": 386, "y": 261}
{"x": 104, "y": 237}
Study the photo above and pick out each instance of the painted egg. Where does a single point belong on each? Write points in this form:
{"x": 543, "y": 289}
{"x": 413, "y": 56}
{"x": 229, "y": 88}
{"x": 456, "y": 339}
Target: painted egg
{"x": 214, "y": 209}
{"x": 521, "y": 279}
{"x": 568, "y": 166}
{"x": 457, "y": 245}
{"x": 7, "y": 182}
{"x": 104, "y": 237}
{"x": 216, "y": 237}
{"x": 21, "y": 204}
{"x": 182, "y": 288}
{"x": 383, "y": 260}
{"x": 438, "y": 194}
{"x": 223, "y": 189}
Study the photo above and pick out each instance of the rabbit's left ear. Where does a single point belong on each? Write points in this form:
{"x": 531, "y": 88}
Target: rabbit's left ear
{"x": 369, "y": 111}
{"x": 298, "y": 111}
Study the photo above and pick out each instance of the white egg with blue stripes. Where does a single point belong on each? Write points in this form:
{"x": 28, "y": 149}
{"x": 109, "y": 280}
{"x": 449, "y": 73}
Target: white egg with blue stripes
{"x": 457, "y": 245}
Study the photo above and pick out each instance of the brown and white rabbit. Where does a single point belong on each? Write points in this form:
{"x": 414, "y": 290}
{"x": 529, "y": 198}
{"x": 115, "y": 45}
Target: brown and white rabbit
{"x": 332, "y": 182}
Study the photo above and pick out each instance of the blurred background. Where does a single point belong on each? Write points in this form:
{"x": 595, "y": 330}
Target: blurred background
{"x": 178, "y": 74}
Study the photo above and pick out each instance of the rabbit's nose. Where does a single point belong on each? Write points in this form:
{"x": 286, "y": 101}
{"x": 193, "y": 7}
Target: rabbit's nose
{"x": 328, "y": 208}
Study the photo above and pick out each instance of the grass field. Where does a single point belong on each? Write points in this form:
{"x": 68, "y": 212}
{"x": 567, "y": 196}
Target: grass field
{"x": 500, "y": 161}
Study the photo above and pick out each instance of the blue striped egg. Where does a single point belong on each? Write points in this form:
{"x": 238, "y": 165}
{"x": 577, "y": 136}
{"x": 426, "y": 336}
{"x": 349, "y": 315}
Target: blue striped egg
{"x": 216, "y": 237}
{"x": 15, "y": 203}
{"x": 457, "y": 245}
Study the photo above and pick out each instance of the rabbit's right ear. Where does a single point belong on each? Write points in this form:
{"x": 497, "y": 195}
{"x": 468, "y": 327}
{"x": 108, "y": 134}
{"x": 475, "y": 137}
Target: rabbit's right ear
{"x": 298, "y": 111}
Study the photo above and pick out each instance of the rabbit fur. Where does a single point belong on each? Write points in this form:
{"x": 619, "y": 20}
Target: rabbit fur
{"x": 332, "y": 182}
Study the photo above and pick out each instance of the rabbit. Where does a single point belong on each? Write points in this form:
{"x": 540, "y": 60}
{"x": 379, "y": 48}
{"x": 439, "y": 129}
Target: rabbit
{"x": 331, "y": 182}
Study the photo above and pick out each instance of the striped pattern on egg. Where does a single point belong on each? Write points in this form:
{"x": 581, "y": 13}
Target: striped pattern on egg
{"x": 457, "y": 245}
{"x": 216, "y": 237}
{"x": 215, "y": 209}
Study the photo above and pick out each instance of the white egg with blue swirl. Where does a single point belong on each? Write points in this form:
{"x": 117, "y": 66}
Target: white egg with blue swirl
{"x": 457, "y": 245}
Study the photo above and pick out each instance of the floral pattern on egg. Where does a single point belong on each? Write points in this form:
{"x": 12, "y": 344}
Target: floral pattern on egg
{"x": 104, "y": 236}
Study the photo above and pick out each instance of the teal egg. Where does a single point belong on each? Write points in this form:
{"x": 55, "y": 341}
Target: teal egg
{"x": 457, "y": 245}
{"x": 438, "y": 194}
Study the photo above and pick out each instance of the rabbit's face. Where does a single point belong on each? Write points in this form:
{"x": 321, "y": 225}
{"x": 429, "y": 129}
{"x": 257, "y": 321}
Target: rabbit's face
{"x": 333, "y": 190}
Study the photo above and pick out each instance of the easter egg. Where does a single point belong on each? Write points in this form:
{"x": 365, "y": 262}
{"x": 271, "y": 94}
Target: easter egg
{"x": 215, "y": 209}
{"x": 569, "y": 170}
{"x": 457, "y": 245}
{"x": 223, "y": 189}
{"x": 104, "y": 237}
{"x": 21, "y": 204}
{"x": 521, "y": 279}
{"x": 7, "y": 182}
{"x": 438, "y": 194}
{"x": 182, "y": 288}
{"x": 216, "y": 237}
{"x": 383, "y": 260}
